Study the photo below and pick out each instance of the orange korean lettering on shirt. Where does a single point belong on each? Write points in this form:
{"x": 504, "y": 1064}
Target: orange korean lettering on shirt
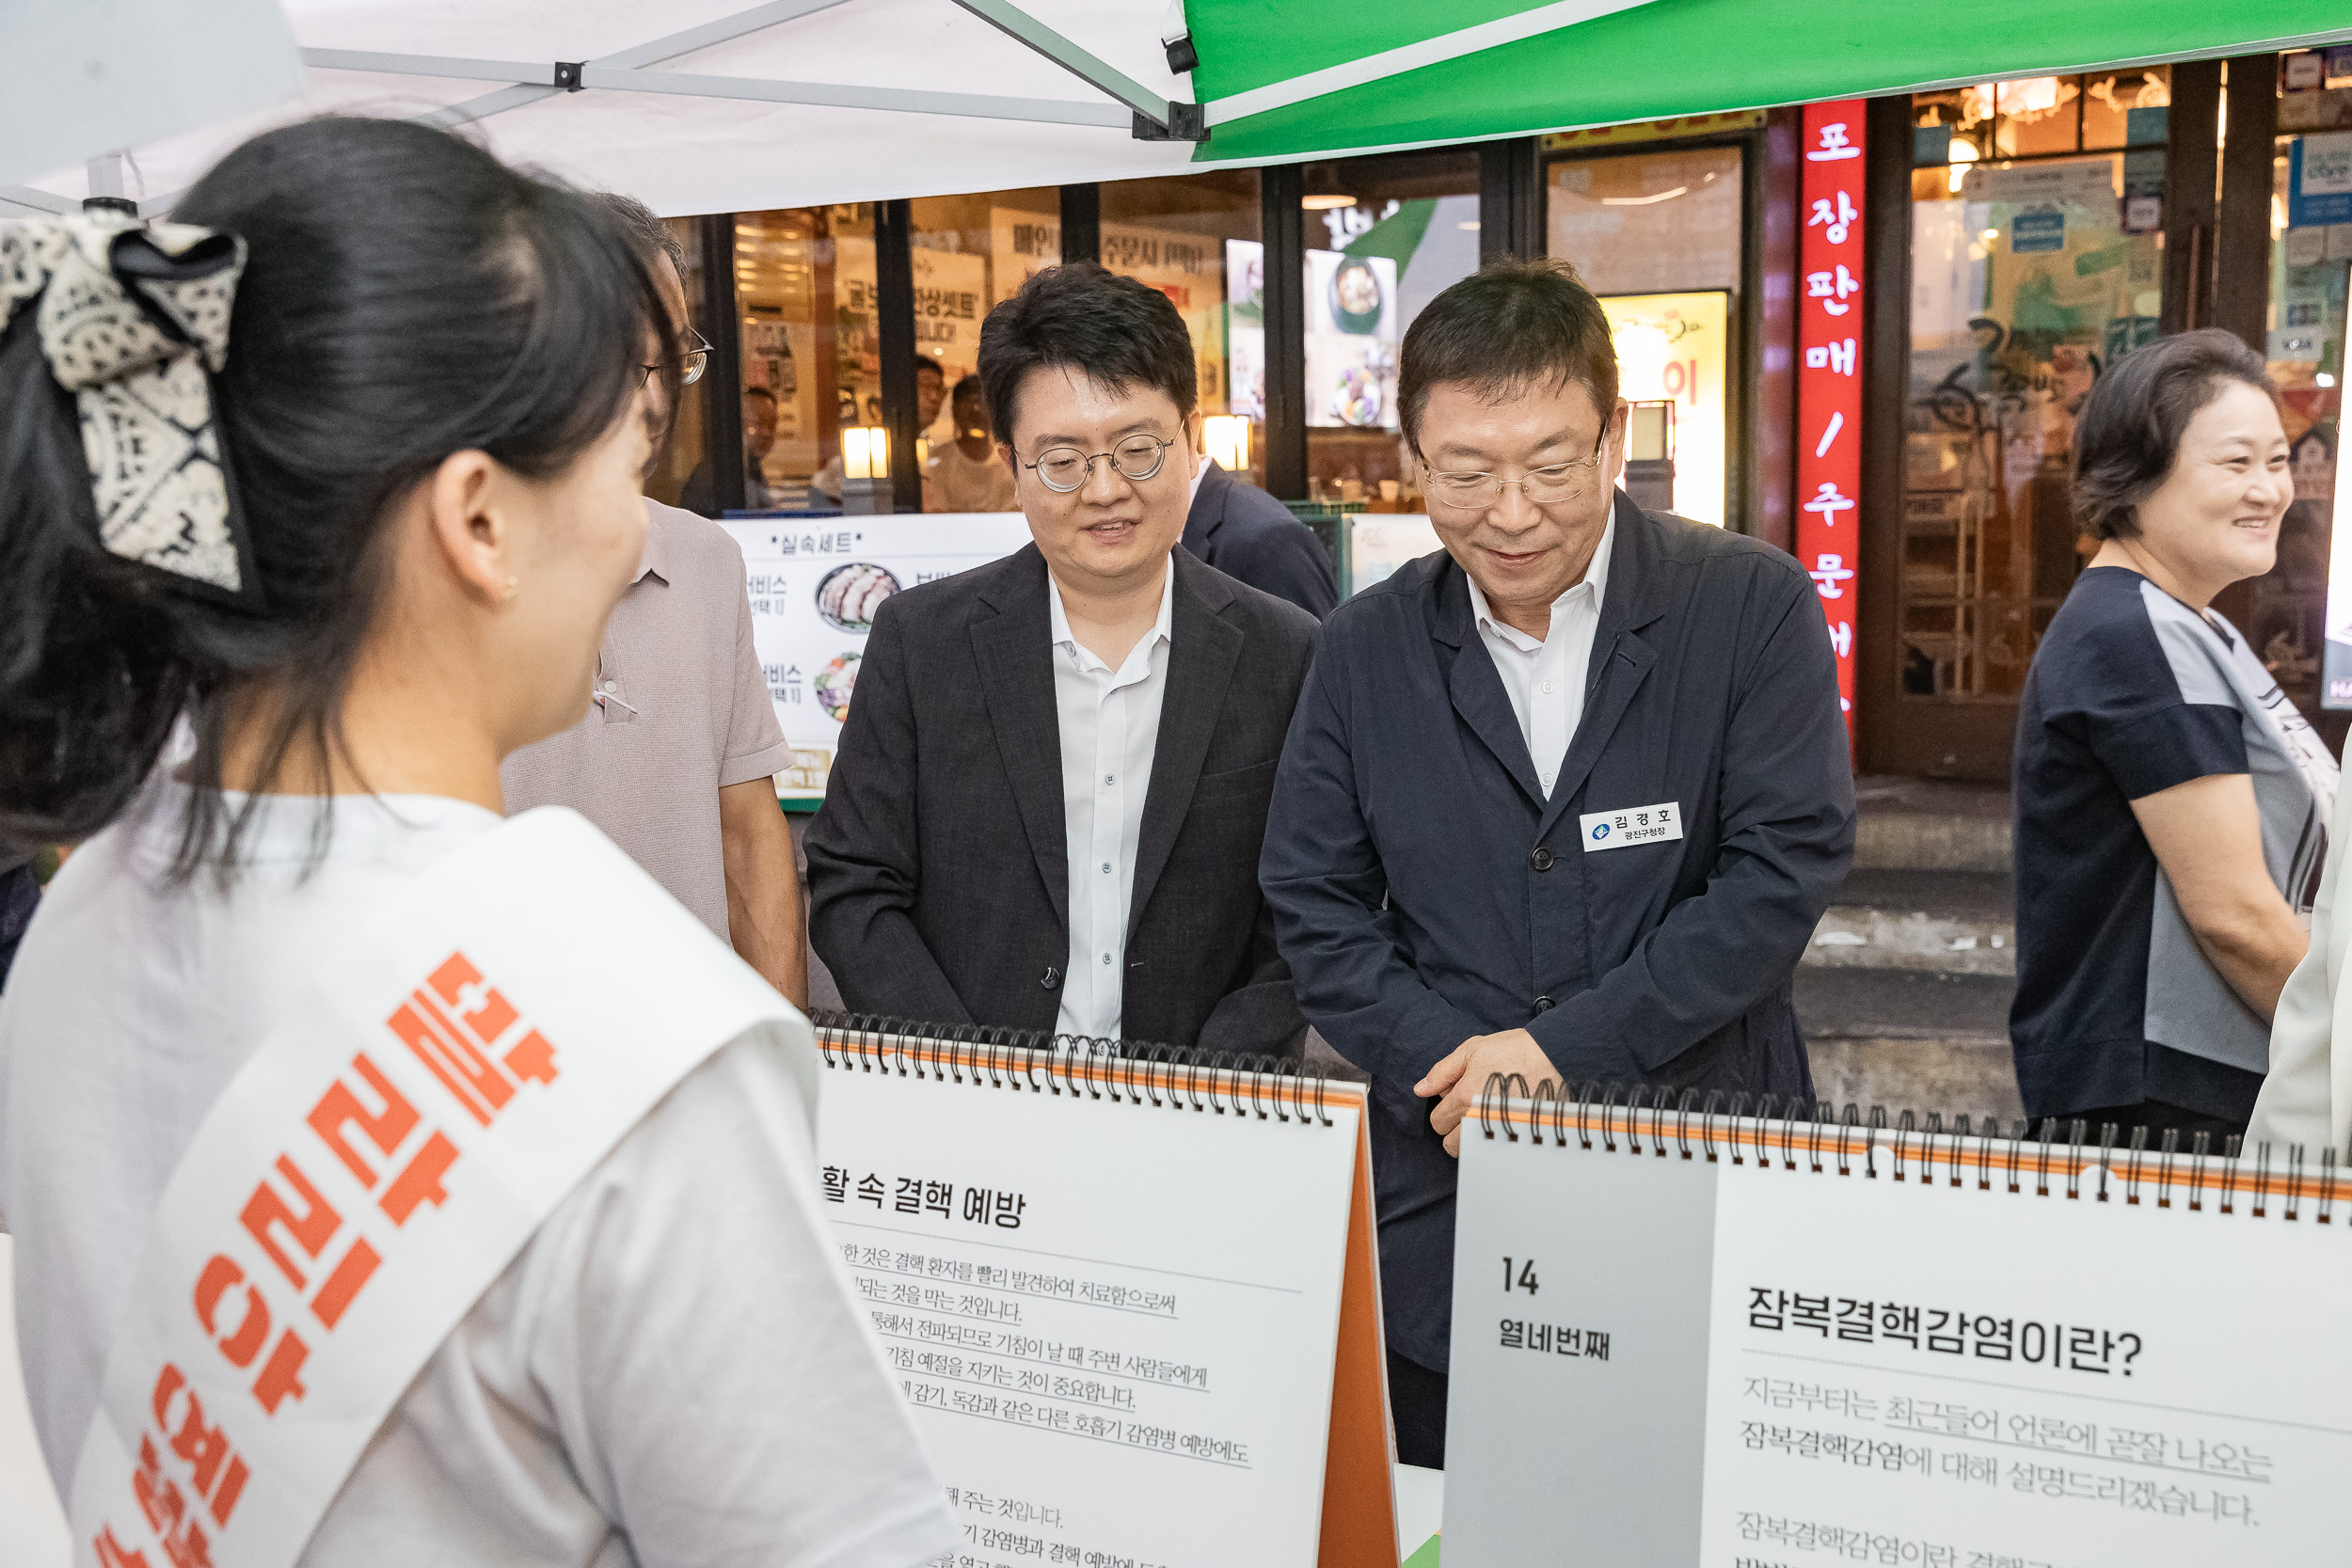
{"x": 335, "y": 1296}
{"x": 112, "y": 1554}
{"x": 533, "y": 1059}
{"x": 486, "y": 1014}
{"x": 158, "y": 1493}
{"x": 420, "y": 1181}
{"x": 221, "y": 1274}
{"x": 340, "y": 1107}
{"x": 473, "y": 1079}
{"x": 280, "y": 1377}
{"x": 311, "y": 1230}
{"x": 215, "y": 1470}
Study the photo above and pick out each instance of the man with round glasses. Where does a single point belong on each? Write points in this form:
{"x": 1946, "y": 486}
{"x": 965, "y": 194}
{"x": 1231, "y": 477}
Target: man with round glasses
{"x": 1051, "y": 789}
{"x": 1563, "y": 800}
{"x": 677, "y": 757}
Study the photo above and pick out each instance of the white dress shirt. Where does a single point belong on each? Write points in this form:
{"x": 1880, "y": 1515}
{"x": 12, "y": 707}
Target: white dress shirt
{"x": 1545, "y": 680}
{"x": 1110, "y": 727}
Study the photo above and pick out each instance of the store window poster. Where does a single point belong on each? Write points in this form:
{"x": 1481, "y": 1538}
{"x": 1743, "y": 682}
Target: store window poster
{"x": 1353, "y": 331}
{"x": 1674, "y": 348}
{"x": 1244, "y": 328}
{"x": 2319, "y": 179}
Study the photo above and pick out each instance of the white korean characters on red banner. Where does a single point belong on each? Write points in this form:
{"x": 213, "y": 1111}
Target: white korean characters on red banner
{"x": 1829, "y": 377}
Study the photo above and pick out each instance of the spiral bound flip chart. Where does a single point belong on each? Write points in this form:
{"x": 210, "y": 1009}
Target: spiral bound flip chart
{"x": 1129, "y": 1294}
{"x": 1682, "y": 1337}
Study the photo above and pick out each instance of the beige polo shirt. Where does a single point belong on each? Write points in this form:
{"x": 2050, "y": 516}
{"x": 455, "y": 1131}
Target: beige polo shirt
{"x": 684, "y": 712}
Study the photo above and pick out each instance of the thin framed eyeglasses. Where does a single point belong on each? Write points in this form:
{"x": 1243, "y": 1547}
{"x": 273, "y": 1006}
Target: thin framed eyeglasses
{"x": 1468, "y": 490}
{"x": 693, "y": 359}
{"x": 1064, "y": 469}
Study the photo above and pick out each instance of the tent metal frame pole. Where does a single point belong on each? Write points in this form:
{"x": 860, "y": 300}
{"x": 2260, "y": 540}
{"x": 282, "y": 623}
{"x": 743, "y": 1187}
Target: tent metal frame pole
{"x": 1042, "y": 111}
{"x": 622, "y": 71}
{"x": 1173, "y": 120}
{"x": 36, "y": 200}
{"x": 540, "y": 81}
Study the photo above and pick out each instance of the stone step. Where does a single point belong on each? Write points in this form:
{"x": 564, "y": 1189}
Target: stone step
{"x": 1949, "y": 922}
{"x": 1930, "y": 825}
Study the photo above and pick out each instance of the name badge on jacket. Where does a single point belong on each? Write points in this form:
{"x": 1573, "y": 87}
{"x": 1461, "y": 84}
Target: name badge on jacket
{"x": 1621, "y": 830}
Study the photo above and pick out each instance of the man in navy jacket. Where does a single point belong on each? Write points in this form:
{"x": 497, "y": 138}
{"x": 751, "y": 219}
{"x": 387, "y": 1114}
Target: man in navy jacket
{"x": 1564, "y": 801}
{"x": 1252, "y": 538}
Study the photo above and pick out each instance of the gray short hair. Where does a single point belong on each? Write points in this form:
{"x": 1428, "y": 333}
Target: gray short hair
{"x": 648, "y": 233}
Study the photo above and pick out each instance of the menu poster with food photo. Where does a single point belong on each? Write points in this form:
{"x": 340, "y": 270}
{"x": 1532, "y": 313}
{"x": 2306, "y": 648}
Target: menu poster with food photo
{"x": 815, "y": 583}
{"x": 1245, "y": 327}
{"x": 1352, "y": 336}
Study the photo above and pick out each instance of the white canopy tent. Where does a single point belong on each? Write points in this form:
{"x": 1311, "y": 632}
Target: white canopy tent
{"x": 708, "y": 105}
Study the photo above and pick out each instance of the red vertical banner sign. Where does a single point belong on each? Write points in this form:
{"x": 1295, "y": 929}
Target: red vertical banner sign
{"x": 1828, "y": 378}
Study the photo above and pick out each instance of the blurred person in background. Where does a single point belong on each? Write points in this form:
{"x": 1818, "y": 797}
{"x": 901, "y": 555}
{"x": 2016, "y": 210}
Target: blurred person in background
{"x": 677, "y": 759}
{"x": 965, "y": 474}
{"x": 2173, "y": 806}
{"x": 699, "y": 495}
{"x": 428, "y": 373}
{"x": 1252, "y": 538}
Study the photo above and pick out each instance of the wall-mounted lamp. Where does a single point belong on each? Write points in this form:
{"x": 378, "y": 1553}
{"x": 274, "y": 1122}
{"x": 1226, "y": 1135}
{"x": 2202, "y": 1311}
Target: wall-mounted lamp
{"x": 1226, "y": 437}
{"x": 865, "y": 470}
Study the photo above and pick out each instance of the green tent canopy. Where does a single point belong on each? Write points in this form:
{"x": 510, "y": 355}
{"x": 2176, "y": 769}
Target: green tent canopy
{"x": 1285, "y": 79}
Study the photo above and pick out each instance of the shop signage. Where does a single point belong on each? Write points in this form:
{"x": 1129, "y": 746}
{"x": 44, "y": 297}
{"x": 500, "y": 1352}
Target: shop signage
{"x": 1828, "y": 379}
{"x": 2319, "y": 179}
{"x": 1728, "y": 123}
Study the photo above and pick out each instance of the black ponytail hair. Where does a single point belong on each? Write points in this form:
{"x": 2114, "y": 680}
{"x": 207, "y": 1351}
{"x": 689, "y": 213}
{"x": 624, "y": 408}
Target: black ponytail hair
{"x": 406, "y": 297}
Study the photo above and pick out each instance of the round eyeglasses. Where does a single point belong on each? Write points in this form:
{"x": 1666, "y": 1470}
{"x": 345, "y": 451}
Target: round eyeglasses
{"x": 1549, "y": 485}
{"x": 1064, "y": 469}
{"x": 693, "y": 359}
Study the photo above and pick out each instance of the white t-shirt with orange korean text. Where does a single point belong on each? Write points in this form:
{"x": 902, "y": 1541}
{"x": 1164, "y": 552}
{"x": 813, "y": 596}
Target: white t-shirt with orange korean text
{"x": 672, "y": 1371}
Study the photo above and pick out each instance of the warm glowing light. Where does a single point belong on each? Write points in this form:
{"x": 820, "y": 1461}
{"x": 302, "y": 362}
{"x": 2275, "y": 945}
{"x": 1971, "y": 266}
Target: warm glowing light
{"x": 1644, "y": 200}
{"x": 1961, "y": 154}
{"x": 1326, "y": 202}
{"x": 1226, "y": 437}
{"x": 866, "y": 452}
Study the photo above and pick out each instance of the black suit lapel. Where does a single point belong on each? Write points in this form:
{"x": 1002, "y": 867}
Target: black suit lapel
{"x": 1203, "y": 649}
{"x": 1016, "y": 667}
{"x": 1476, "y": 688}
{"x": 1621, "y": 660}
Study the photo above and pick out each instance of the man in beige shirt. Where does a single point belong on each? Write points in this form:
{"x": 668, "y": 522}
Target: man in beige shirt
{"x": 965, "y": 474}
{"x": 676, "y": 760}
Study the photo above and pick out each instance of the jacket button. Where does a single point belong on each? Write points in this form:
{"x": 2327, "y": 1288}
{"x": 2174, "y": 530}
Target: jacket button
{"x": 1541, "y": 860}
{"x": 1050, "y": 979}
{"x": 1543, "y": 1003}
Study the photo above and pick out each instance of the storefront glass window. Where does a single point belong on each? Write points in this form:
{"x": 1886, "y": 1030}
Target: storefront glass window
{"x": 1184, "y": 236}
{"x": 2034, "y": 267}
{"x": 2301, "y": 628}
{"x": 969, "y": 252}
{"x": 804, "y": 289}
{"x": 1384, "y": 236}
{"x": 1657, "y": 235}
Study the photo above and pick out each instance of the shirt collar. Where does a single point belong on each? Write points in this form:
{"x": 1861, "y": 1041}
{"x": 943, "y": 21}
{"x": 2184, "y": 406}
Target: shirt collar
{"x": 657, "y": 557}
{"x": 1063, "y": 636}
{"x": 1596, "y": 577}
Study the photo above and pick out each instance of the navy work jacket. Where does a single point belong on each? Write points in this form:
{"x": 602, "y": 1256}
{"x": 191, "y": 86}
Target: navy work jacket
{"x": 1425, "y": 890}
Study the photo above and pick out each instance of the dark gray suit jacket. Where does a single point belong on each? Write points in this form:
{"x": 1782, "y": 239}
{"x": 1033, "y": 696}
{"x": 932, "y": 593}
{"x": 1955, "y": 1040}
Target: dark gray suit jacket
{"x": 1426, "y": 889}
{"x": 937, "y": 868}
{"x": 1252, "y": 538}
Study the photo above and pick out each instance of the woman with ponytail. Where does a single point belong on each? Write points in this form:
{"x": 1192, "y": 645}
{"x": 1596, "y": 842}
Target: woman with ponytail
{"x": 389, "y": 1183}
